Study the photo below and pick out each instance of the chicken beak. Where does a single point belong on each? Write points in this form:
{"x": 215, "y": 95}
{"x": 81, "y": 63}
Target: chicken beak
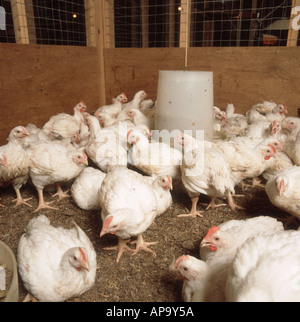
{"x": 103, "y": 232}
{"x": 24, "y": 133}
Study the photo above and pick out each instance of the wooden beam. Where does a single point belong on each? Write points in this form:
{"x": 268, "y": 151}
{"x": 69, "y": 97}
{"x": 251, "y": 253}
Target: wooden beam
{"x": 145, "y": 23}
{"x": 90, "y": 12}
{"x": 20, "y": 21}
{"x": 100, "y": 38}
{"x": 185, "y": 23}
{"x": 30, "y": 21}
{"x": 293, "y": 33}
{"x": 109, "y": 24}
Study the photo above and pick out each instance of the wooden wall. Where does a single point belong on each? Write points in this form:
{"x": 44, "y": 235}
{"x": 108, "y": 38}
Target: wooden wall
{"x": 37, "y": 82}
{"x": 245, "y": 76}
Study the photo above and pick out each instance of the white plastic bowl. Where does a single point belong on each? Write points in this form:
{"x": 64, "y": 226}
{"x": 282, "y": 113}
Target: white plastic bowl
{"x": 7, "y": 257}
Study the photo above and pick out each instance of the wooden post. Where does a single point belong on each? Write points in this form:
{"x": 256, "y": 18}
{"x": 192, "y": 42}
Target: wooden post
{"x": 30, "y": 21}
{"x": 100, "y": 38}
{"x": 90, "y": 11}
{"x": 293, "y": 33}
{"x": 145, "y": 23}
{"x": 20, "y": 21}
{"x": 185, "y": 23}
{"x": 252, "y": 22}
{"x": 109, "y": 24}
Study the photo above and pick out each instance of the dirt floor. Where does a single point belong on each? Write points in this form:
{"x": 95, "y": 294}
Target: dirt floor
{"x": 139, "y": 278}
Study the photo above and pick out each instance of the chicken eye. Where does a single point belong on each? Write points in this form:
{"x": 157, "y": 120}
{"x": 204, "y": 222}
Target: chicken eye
{"x": 217, "y": 238}
{"x": 75, "y": 258}
{"x": 185, "y": 268}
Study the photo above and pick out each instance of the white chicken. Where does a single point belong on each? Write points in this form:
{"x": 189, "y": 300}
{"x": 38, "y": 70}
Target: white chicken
{"x": 111, "y": 110}
{"x": 292, "y": 149}
{"x": 247, "y": 161}
{"x": 51, "y": 162}
{"x": 85, "y": 188}
{"x": 105, "y": 147}
{"x": 194, "y": 273}
{"x": 266, "y": 269}
{"x": 129, "y": 206}
{"x": 235, "y": 124}
{"x": 154, "y": 158}
{"x": 16, "y": 173}
{"x": 283, "y": 191}
{"x": 266, "y": 111}
{"x": 291, "y": 125}
{"x": 120, "y": 98}
{"x": 105, "y": 119}
{"x": 3, "y": 164}
{"x": 221, "y": 242}
{"x": 65, "y": 124}
{"x": 138, "y": 118}
{"x": 55, "y": 264}
{"x": 204, "y": 170}
{"x": 161, "y": 187}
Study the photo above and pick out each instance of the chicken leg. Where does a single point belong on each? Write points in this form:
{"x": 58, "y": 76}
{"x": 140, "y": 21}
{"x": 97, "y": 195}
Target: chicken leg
{"x": 193, "y": 213}
{"x": 42, "y": 203}
{"x": 60, "y": 193}
{"x": 141, "y": 244}
{"x": 121, "y": 247}
{"x": 212, "y": 204}
{"x": 232, "y": 204}
{"x": 20, "y": 200}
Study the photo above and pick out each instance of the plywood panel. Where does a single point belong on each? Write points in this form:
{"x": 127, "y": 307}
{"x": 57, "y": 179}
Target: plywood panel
{"x": 39, "y": 81}
{"x": 244, "y": 75}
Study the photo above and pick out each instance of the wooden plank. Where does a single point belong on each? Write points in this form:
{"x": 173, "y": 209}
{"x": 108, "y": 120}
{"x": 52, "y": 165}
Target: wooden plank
{"x": 245, "y": 75}
{"x": 293, "y": 33}
{"x": 40, "y": 81}
{"x": 20, "y": 21}
{"x": 100, "y": 44}
{"x": 90, "y": 24}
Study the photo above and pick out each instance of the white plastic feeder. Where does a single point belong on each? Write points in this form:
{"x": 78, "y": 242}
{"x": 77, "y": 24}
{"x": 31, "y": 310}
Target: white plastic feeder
{"x": 185, "y": 102}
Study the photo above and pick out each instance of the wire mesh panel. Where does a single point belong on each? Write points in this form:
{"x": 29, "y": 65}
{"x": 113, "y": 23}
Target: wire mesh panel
{"x": 52, "y": 22}
{"x": 150, "y": 23}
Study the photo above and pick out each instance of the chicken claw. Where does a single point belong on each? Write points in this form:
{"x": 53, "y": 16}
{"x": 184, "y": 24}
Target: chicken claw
{"x": 60, "y": 193}
{"x": 121, "y": 247}
{"x": 20, "y": 201}
{"x": 193, "y": 213}
{"x": 142, "y": 245}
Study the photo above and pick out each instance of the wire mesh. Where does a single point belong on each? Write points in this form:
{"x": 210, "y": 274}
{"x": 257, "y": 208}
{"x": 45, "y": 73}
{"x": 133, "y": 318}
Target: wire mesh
{"x": 215, "y": 23}
{"x": 52, "y": 22}
{"x": 153, "y": 23}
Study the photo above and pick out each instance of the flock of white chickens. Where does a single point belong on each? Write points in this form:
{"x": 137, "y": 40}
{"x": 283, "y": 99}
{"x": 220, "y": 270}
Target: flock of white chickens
{"x": 115, "y": 167}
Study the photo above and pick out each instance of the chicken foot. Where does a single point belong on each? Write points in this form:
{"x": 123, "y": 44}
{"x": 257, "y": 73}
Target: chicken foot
{"x": 121, "y": 247}
{"x": 142, "y": 245}
{"x": 255, "y": 183}
{"x": 193, "y": 213}
{"x": 20, "y": 200}
{"x": 232, "y": 203}
{"x": 60, "y": 193}
{"x": 212, "y": 204}
{"x": 42, "y": 203}
{"x": 30, "y": 298}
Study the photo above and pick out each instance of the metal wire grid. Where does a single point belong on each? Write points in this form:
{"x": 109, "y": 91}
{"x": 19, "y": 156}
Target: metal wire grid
{"x": 152, "y": 23}
{"x": 240, "y": 23}
{"x": 53, "y": 22}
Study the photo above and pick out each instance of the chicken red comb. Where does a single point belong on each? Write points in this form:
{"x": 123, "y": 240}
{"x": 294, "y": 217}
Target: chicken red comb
{"x": 128, "y": 133}
{"x": 123, "y": 94}
{"x": 212, "y": 231}
{"x": 180, "y": 259}
{"x": 84, "y": 258}
{"x": 169, "y": 179}
{"x": 272, "y": 147}
{"x": 107, "y": 222}
{"x": 82, "y": 102}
